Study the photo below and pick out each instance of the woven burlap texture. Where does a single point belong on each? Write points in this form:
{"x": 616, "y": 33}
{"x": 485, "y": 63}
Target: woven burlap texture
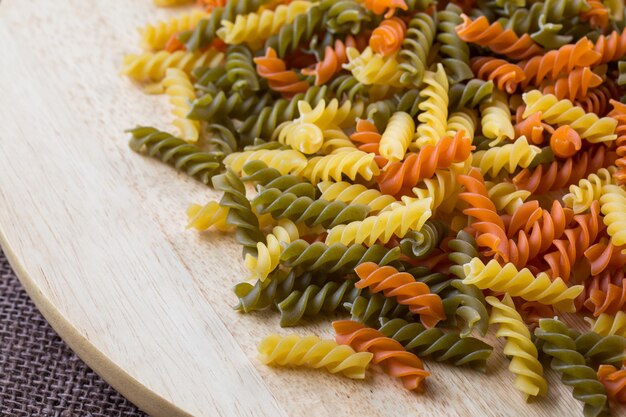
{"x": 39, "y": 374}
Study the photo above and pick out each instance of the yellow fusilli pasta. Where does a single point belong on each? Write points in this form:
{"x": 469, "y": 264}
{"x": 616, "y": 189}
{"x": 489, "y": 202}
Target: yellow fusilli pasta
{"x": 434, "y": 117}
{"x": 521, "y": 283}
{"x": 606, "y": 324}
{"x": 346, "y": 162}
{"x": 325, "y": 116}
{"x": 442, "y": 189}
{"x": 154, "y": 37}
{"x": 613, "y": 206}
{"x": 151, "y": 66}
{"x": 496, "y": 118}
{"x": 396, "y": 221}
{"x": 285, "y": 161}
{"x": 269, "y": 252}
{"x": 181, "y": 92}
{"x": 397, "y": 136}
{"x": 355, "y": 194}
{"x": 313, "y": 352}
{"x": 371, "y": 68}
{"x": 588, "y": 189}
{"x": 465, "y": 120}
{"x": 508, "y": 157}
{"x": 211, "y": 214}
{"x": 519, "y": 347}
{"x": 506, "y": 196}
{"x": 307, "y": 138}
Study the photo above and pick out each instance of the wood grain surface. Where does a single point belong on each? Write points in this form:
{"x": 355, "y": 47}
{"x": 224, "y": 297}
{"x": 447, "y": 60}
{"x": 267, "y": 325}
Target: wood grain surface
{"x": 97, "y": 236}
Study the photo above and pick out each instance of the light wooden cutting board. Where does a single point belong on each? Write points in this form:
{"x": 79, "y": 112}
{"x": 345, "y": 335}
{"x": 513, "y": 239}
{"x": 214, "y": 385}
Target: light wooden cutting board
{"x": 97, "y": 235}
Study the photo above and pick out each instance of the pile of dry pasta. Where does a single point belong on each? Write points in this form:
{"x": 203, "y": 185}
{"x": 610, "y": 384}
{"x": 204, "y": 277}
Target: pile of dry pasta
{"x": 427, "y": 169}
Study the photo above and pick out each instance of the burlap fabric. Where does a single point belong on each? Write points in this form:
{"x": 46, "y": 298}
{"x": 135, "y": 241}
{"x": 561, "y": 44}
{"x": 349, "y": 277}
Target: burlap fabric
{"x": 39, "y": 374}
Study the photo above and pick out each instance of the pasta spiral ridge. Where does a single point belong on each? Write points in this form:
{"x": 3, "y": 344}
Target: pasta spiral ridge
{"x": 508, "y": 157}
{"x": 495, "y": 37}
{"x": 177, "y": 152}
{"x": 519, "y": 347}
{"x": 301, "y": 29}
{"x": 313, "y": 352}
{"x": 240, "y": 68}
{"x": 506, "y": 76}
{"x": 581, "y": 196}
{"x": 153, "y": 66}
{"x": 496, "y": 121}
{"x": 506, "y": 196}
{"x": 619, "y": 114}
{"x": 336, "y": 257}
{"x": 613, "y": 202}
{"x": 418, "y": 245}
{"x": 603, "y": 255}
{"x": 369, "y": 309}
{"x": 314, "y": 300}
{"x": 355, "y": 194}
{"x": 442, "y": 189}
{"x": 397, "y": 221}
{"x": 606, "y": 293}
{"x": 279, "y": 78}
{"x": 413, "y": 56}
{"x": 268, "y": 252}
{"x": 154, "y": 37}
{"x": 558, "y": 345}
{"x": 285, "y": 161}
{"x": 433, "y": 120}
{"x": 211, "y": 214}
{"x": 421, "y": 165}
{"x": 398, "y": 362}
{"x": 351, "y": 163}
{"x": 181, "y": 92}
{"x": 397, "y": 137}
{"x": 614, "y": 382}
{"x": 598, "y": 349}
{"x": 388, "y": 36}
{"x": 607, "y": 324}
{"x": 386, "y": 7}
{"x": 240, "y": 214}
{"x": 455, "y": 52}
{"x": 346, "y": 16}
{"x": 448, "y": 347}
{"x": 575, "y": 85}
{"x": 331, "y": 64}
{"x": 370, "y": 68}
{"x": 521, "y": 283}
{"x": 470, "y": 94}
{"x": 611, "y": 48}
{"x": 404, "y": 288}
{"x": 216, "y": 107}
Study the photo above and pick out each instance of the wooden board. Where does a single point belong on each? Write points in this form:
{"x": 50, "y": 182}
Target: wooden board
{"x": 97, "y": 235}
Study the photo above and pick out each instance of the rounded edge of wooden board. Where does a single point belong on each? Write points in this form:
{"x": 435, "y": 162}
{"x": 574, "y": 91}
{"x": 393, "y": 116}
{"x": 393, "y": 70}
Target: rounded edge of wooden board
{"x": 124, "y": 383}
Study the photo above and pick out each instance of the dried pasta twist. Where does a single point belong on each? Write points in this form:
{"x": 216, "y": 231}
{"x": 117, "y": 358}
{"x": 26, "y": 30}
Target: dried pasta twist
{"x": 217, "y": 107}
{"x": 611, "y": 48}
{"x": 603, "y": 255}
{"x": 416, "y": 46}
{"x": 613, "y": 201}
{"x": 455, "y": 52}
{"x": 337, "y": 257}
{"x": 329, "y": 115}
{"x": 371, "y": 68}
{"x": 151, "y": 66}
{"x": 471, "y": 94}
{"x": 181, "y": 92}
{"x": 370, "y": 309}
{"x": 565, "y": 359}
{"x": 614, "y": 382}
{"x": 331, "y": 64}
{"x": 495, "y": 37}
{"x": 418, "y": 166}
{"x": 346, "y": 16}
{"x": 397, "y": 137}
{"x": 388, "y": 36}
{"x": 575, "y": 85}
{"x": 506, "y": 76}
{"x": 442, "y": 347}
{"x": 304, "y": 210}
{"x": 304, "y": 26}
{"x": 464, "y": 120}
{"x": 285, "y": 161}
{"x": 560, "y": 61}
{"x": 442, "y": 189}
{"x": 506, "y": 196}
{"x": 314, "y": 300}
{"x": 386, "y": 7}
{"x": 619, "y": 113}
{"x": 279, "y": 78}
{"x": 345, "y": 86}
{"x": 177, "y": 152}
{"x": 380, "y": 111}
{"x": 508, "y": 157}
{"x": 396, "y": 221}
{"x": 496, "y": 119}
{"x": 240, "y": 213}
{"x": 562, "y": 112}
{"x": 557, "y": 175}
{"x": 210, "y": 215}
{"x": 521, "y": 283}
{"x": 351, "y": 163}
{"x": 255, "y": 28}
{"x": 606, "y": 293}
{"x": 404, "y": 288}
{"x": 259, "y": 173}
{"x": 268, "y": 252}
{"x": 155, "y": 36}
{"x": 607, "y": 324}
{"x": 433, "y": 120}
{"x": 355, "y": 194}
{"x": 519, "y": 347}
{"x": 313, "y": 352}
{"x": 418, "y": 245}
{"x": 589, "y": 189}
{"x": 240, "y": 68}
{"x": 388, "y": 352}
{"x": 599, "y": 349}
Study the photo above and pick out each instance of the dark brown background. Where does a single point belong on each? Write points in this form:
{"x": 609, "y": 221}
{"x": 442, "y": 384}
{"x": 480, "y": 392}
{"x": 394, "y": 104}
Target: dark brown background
{"x": 39, "y": 374}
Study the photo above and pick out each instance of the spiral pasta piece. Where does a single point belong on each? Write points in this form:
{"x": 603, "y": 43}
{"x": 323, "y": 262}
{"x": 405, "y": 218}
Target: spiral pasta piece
{"x": 416, "y": 47}
{"x": 388, "y": 352}
{"x": 496, "y": 119}
{"x": 178, "y": 87}
{"x": 613, "y": 202}
{"x": 519, "y": 347}
{"x": 470, "y": 94}
{"x": 506, "y": 76}
{"x": 397, "y": 137}
{"x": 611, "y": 48}
{"x": 606, "y": 324}
{"x": 506, "y": 196}
{"x": 619, "y": 114}
{"x": 606, "y": 293}
{"x": 370, "y": 68}
{"x": 575, "y": 85}
{"x": 508, "y": 157}
{"x": 355, "y": 194}
{"x": 286, "y": 162}
{"x": 562, "y": 112}
{"x": 565, "y": 359}
{"x": 442, "y": 189}
{"x": 307, "y": 138}
{"x": 557, "y": 175}
{"x": 332, "y": 63}
{"x": 386, "y": 7}
{"x": 442, "y": 347}
{"x": 329, "y": 115}
{"x": 496, "y": 38}
{"x": 301, "y": 30}
{"x": 313, "y": 352}
{"x": 614, "y": 382}
{"x": 521, "y": 283}
{"x": 383, "y": 226}
{"x": 455, "y": 52}
{"x": 346, "y": 162}
{"x": 155, "y": 36}
{"x": 268, "y": 253}
{"x": 388, "y": 36}
{"x": 210, "y": 215}
{"x": 153, "y": 66}
{"x": 418, "y": 166}
{"x": 346, "y": 16}
{"x": 279, "y": 78}
{"x": 255, "y": 28}
{"x": 433, "y": 120}
{"x": 589, "y": 189}
{"x": 403, "y": 287}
